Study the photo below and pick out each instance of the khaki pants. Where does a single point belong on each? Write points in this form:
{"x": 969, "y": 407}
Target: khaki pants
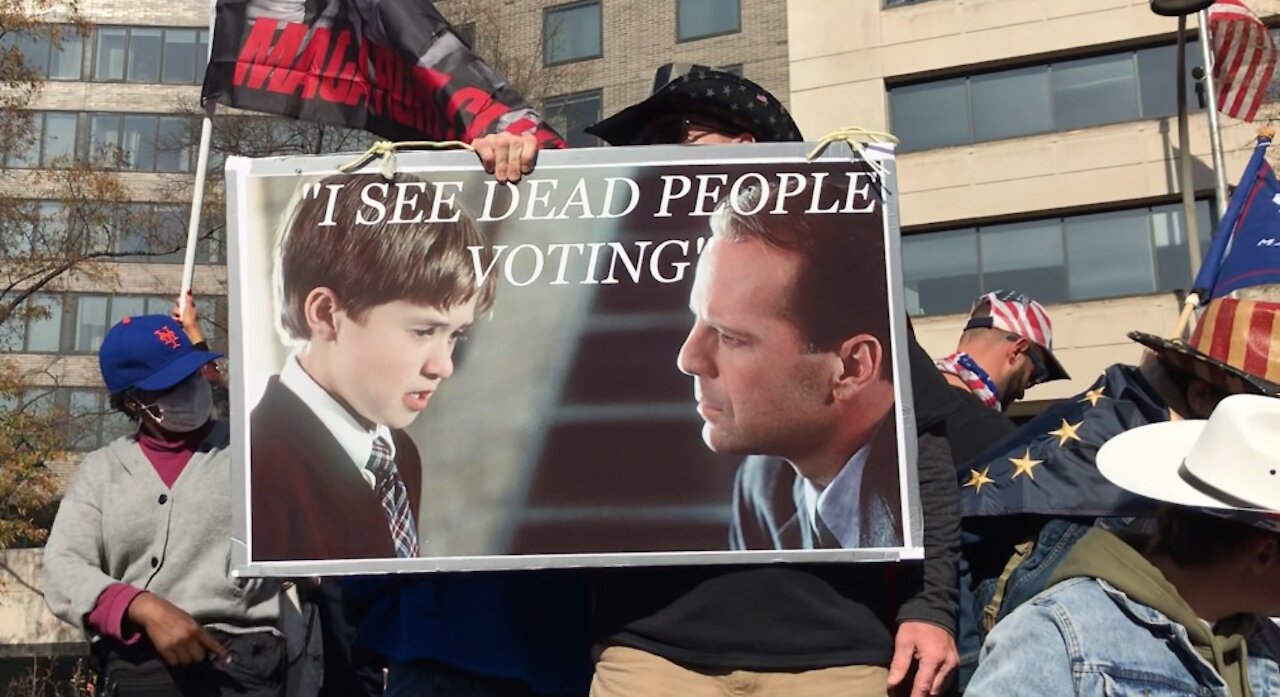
{"x": 627, "y": 672}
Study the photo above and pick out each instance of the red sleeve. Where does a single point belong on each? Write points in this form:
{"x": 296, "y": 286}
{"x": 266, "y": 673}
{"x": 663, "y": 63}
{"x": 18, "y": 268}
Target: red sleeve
{"x": 107, "y": 615}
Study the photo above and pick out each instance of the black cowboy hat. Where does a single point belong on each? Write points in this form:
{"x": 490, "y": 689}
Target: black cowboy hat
{"x": 696, "y": 89}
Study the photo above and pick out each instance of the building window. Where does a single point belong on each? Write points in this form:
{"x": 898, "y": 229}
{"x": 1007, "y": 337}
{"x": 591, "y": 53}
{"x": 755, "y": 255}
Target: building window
{"x": 735, "y": 69}
{"x": 699, "y": 19}
{"x": 39, "y": 330}
{"x": 52, "y": 141}
{"x": 152, "y": 55}
{"x": 77, "y": 322}
{"x": 1058, "y": 96}
{"x": 61, "y": 62}
{"x": 136, "y": 232}
{"x": 571, "y": 32}
{"x": 572, "y": 113}
{"x": 84, "y": 414}
{"x": 142, "y": 142}
{"x": 1080, "y": 257}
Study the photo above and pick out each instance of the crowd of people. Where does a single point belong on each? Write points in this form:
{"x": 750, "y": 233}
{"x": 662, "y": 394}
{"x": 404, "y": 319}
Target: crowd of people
{"x": 1159, "y": 578}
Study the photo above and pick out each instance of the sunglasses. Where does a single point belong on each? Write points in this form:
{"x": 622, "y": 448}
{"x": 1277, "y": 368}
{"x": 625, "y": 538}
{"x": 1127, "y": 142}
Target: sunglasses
{"x": 677, "y": 130}
{"x": 1040, "y": 371}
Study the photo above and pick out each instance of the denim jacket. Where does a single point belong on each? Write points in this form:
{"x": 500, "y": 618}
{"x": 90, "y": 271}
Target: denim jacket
{"x": 1085, "y": 637}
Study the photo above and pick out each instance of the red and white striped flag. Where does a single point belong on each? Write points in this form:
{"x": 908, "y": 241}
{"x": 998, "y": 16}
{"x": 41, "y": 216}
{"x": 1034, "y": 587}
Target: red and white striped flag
{"x": 1243, "y": 58}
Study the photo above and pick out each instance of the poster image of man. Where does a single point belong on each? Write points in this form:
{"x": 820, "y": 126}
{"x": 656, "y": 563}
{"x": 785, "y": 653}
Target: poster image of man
{"x": 792, "y": 369}
{"x": 442, "y": 372}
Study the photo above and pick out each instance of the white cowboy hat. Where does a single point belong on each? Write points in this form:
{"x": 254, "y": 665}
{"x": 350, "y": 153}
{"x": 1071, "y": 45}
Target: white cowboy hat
{"x": 1231, "y": 462}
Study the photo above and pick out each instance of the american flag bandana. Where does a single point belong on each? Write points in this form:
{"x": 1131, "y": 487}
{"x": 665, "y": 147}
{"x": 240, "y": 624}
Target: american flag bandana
{"x": 394, "y": 495}
{"x": 975, "y": 378}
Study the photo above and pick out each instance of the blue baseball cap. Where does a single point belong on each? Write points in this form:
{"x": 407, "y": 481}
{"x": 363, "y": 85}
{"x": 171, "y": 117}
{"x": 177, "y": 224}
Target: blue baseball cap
{"x": 148, "y": 352}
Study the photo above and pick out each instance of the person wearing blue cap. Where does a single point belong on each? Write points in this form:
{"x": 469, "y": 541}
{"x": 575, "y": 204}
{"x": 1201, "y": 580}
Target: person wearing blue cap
{"x": 138, "y": 554}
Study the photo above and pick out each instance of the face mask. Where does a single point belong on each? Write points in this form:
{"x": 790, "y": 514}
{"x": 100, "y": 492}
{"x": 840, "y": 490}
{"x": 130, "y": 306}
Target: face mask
{"x": 184, "y": 408}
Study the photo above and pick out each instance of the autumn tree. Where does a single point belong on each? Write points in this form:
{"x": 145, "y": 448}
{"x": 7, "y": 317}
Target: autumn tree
{"x": 64, "y": 215}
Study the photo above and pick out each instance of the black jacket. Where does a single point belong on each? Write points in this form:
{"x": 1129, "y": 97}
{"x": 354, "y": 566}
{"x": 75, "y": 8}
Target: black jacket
{"x": 803, "y": 616}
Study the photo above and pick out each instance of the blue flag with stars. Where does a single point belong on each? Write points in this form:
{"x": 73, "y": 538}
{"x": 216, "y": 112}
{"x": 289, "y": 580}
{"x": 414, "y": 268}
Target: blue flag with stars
{"x": 1048, "y": 466}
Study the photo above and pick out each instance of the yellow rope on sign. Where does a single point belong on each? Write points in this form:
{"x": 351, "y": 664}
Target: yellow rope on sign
{"x": 857, "y": 139}
{"x": 385, "y": 150}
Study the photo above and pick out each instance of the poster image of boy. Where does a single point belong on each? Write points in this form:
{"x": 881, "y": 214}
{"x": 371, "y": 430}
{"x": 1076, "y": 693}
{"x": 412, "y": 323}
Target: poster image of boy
{"x": 374, "y": 307}
{"x": 790, "y": 357}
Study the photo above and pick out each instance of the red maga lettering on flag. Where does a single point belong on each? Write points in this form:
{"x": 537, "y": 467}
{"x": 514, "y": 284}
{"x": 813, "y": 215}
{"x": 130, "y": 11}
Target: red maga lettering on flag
{"x": 391, "y": 67}
{"x": 1244, "y": 58}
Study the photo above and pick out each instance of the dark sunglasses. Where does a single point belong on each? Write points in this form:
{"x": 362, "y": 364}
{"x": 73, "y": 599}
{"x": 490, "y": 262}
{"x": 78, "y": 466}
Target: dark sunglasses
{"x": 1040, "y": 371}
{"x": 674, "y": 130}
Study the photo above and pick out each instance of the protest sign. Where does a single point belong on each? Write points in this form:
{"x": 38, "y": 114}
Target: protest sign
{"x": 635, "y": 356}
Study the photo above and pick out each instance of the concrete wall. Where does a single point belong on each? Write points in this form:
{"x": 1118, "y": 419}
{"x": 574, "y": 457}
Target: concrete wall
{"x": 26, "y": 625}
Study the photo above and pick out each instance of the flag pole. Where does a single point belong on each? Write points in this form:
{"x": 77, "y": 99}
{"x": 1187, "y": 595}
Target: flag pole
{"x": 1215, "y": 129}
{"x": 197, "y": 202}
{"x": 1186, "y": 180}
{"x": 202, "y": 164}
{"x": 1188, "y": 307}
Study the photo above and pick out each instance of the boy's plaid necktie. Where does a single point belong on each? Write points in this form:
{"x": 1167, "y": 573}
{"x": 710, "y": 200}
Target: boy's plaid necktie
{"x": 394, "y": 495}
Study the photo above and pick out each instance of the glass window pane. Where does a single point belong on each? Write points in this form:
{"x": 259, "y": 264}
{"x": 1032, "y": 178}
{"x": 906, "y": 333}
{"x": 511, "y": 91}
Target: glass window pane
{"x": 157, "y": 305}
{"x": 1173, "y": 258}
{"x": 11, "y": 337}
{"x": 202, "y": 54}
{"x": 108, "y": 61}
{"x": 930, "y": 115}
{"x": 1158, "y": 80}
{"x": 1093, "y": 91}
{"x": 1027, "y": 257}
{"x": 1109, "y": 254}
{"x": 39, "y": 400}
{"x": 116, "y": 425}
{"x": 52, "y": 232}
{"x": 697, "y": 18}
{"x": 1011, "y": 103}
{"x": 179, "y": 56}
{"x": 59, "y": 139}
{"x": 569, "y": 115}
{"x": 104, "y": 140}
{"x": 940, "y": 271}
{"x": 43, "y": 331}
{"x": 571, "y": 33}
{"x": 28, "y": 156}
{"x": 91, "y": 322}
{"x": 173, "y": 153}
{"x": 171, "y": 233}
{"x": 126, "y": 306}
{"x": 144, "y": 55}
{"x": 34, "y": 47}
{"x": 68, "y": 58}
{"x": 84, "y": 410}
{"x": 138, "y": 140}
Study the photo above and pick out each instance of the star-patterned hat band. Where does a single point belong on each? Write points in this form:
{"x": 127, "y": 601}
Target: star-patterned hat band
{"x": 1235, "y": 346}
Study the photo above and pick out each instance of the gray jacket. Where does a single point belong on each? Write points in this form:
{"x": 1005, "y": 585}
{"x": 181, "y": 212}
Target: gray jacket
{"x": 119, "y": 523}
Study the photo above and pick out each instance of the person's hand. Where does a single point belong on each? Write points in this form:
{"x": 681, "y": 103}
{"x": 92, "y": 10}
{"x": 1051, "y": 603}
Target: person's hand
{"x": 507, "y": 156}
{"x": 178, "y": 638}
{"x": 188, "y": 317}
{"x": 933, "y": 648}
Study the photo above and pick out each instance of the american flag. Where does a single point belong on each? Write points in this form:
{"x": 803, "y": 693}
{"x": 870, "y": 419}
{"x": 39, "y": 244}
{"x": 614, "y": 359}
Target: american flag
{"x": 1243, "y": 58}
